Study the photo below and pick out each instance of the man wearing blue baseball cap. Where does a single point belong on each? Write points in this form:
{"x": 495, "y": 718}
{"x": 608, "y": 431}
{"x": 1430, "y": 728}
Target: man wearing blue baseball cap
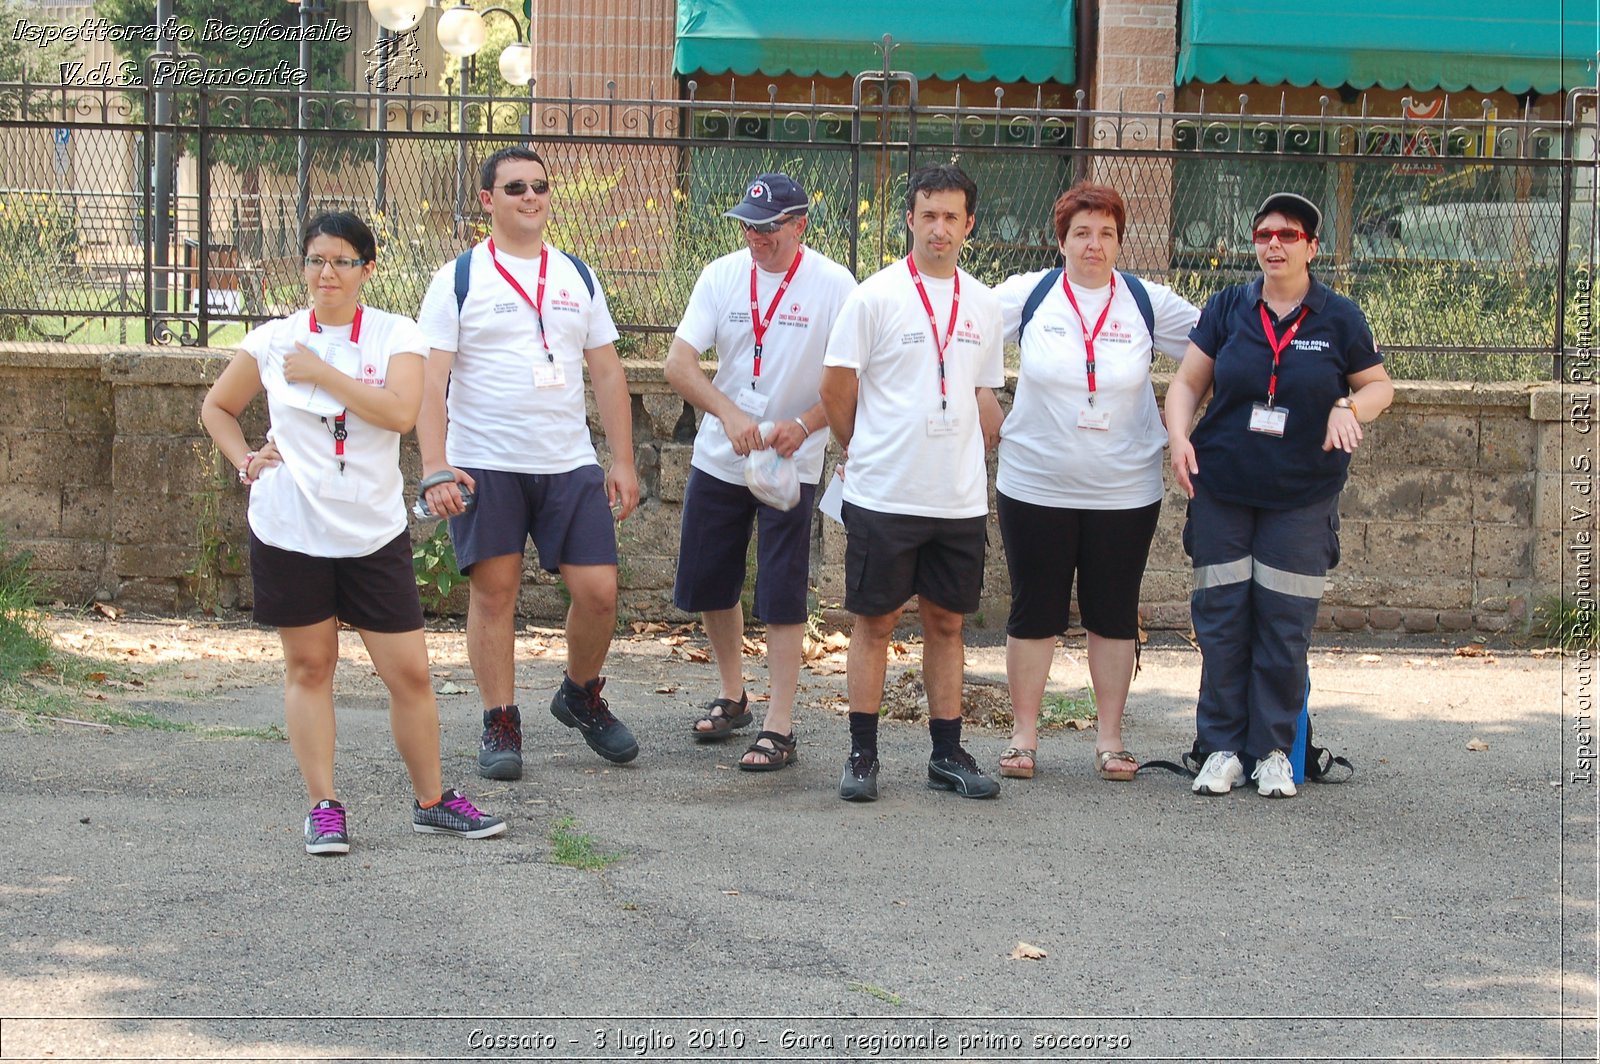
{"x": 767, "y": 309}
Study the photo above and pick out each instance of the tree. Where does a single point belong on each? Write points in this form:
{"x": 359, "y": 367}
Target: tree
{"x": 33, "y": 59}
{"x": 260, "y": 53}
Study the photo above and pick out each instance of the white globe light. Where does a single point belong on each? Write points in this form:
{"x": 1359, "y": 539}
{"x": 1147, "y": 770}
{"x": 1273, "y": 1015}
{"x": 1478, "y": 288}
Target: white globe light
{"x": 397, "y": 15}
{"x": 516, "y": 63}
{"x": 461, "y": 31}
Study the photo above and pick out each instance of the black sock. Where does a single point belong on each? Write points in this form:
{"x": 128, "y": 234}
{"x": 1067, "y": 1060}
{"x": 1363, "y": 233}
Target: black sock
{"x": 946, "y": 737}
{"x": 864, "y": 733}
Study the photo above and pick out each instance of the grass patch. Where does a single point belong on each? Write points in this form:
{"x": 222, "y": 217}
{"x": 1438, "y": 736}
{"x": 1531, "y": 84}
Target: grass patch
{"x": 1566, "y": 624}
{"x": 24, "y": 643}
{"x": 1057, "y": 709}
{"x": 873, "y": 990}
{"x": 573, "y": 848}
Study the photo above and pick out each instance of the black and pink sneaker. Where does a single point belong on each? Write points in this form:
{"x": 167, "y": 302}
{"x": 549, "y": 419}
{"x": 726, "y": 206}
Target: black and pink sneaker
{"x": 326, "y": 832}
{"x": 455, "y": 815}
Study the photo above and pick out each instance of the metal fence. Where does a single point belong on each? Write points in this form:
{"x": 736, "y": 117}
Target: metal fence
{"x": 1462, "y": 232}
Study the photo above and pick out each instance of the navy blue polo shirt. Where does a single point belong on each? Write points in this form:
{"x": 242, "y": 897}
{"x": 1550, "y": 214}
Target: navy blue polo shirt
{"x": 1254, "y": 468}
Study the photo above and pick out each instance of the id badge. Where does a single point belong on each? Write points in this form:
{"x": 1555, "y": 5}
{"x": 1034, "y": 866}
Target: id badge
{"x": 939, "y": 425}
{"x": 549, "y": 375}
{"x": 751, "y": 401}
{"x": 338, "y": 487}
{"x": 1268, "y": 419}
{"x": 1098, "y": 420}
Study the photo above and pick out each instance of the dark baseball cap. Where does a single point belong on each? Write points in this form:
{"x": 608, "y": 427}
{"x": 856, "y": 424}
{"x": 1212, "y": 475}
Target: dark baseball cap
{"x": 1293, "y": 206}
{"x": 768, "y": 198}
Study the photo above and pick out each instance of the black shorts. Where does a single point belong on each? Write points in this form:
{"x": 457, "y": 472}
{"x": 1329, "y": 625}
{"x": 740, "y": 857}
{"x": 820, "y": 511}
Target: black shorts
{"x": 1046, "y": 545}
{"x": 890, "y": 557}
{"x": 715, "y": 540}
{"x": 567, "y": 514}
{"x": 376, "y": 593}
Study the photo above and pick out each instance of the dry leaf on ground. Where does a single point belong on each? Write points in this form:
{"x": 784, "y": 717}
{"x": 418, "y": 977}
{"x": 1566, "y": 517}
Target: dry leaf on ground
{"x": 1476, "y": 744}
{"x": 1027, "y": 952}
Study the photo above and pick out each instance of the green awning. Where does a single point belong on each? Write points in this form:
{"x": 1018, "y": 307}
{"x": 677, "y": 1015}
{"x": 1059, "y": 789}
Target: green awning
{"x": 1008, "y": 40}
{"x": 1483, "y": 45}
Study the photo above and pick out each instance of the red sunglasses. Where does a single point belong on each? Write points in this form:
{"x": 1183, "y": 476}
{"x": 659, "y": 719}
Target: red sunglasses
{"x": 1285, "y": 236}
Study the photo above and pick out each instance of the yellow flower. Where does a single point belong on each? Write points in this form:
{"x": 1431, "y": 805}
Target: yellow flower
{"x": 816, "y": 197}
{"x": 424, "y": 204}
{"x": 633, "y": 251}
{"x": 623, "y": 224}
{"x": 863, "y": 207}
{"x": 650, "y": 203}
{"x": 677, "y": 195}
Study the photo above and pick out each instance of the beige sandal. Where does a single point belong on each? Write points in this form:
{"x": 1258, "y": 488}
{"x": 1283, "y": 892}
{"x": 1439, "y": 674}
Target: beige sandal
{"x": 1019, "y": 772}
{"x": 1105, "y": 757}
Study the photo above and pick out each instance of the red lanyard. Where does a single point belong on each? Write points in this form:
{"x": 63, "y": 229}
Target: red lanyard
{"x": 537, "y": 305}
{"x": 758, "y": 324}
{"x": 933, "y": 322}
{"x": 1277, "y": 345}
{"x": 340, "y": 433}
{"x": 1089, "y": 337}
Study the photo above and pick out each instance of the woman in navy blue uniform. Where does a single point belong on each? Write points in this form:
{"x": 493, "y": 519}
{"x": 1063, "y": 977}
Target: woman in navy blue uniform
{"x": 1294, "y": 375}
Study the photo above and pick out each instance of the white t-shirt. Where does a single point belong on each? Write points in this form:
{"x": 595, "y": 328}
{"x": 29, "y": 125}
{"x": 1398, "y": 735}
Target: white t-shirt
{"x": 1045, "y": 457}
{"x": 718, "y": 315}
{"x": 305, "y": 503}
{"x": 498, "y": 418}
{"x": 906, "y": 457}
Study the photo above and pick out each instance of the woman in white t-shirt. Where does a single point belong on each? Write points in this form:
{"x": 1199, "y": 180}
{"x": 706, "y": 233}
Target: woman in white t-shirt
{"x": 1079, "y": 486}
{"x": 328, "y": 535}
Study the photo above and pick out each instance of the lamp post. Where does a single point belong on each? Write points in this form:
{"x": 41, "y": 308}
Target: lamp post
{"x": 462, "y": 33}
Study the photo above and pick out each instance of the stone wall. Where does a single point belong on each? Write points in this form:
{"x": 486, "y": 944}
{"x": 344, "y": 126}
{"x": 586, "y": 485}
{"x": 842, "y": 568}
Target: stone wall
{"x": 1452, "y": 520}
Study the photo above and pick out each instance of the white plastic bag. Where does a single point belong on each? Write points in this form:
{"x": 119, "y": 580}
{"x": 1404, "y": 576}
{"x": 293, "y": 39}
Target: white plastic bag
{"x": 770, "y": 477}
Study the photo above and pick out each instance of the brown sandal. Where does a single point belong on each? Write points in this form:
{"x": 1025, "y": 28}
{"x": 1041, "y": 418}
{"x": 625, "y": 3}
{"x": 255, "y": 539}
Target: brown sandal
{"x": 781, "y": 754}
{"x": 1019, "y": 772}
{"x": 726, "y": 717}
{"x": 1105, "y": 757}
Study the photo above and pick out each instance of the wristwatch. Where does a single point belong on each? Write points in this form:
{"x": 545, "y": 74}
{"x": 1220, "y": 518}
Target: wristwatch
{"x": 1349, "y": 404}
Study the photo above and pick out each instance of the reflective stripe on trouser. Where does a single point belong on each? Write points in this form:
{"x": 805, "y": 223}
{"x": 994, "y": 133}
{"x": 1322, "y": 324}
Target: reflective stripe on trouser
{"x": 1259, "y": 575}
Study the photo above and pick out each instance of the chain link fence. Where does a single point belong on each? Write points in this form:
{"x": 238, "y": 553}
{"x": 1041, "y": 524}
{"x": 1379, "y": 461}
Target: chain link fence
{"x": 1462, "y": 236}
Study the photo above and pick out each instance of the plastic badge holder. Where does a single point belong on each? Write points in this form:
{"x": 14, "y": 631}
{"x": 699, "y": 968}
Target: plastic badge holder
{"x": 770, "y": 477}
{"x": 340, "y": 355}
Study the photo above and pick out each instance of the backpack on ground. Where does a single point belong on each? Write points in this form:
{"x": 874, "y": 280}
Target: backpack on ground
{"x": 1136, "y": 288}
{"x": 1320, "y": 762}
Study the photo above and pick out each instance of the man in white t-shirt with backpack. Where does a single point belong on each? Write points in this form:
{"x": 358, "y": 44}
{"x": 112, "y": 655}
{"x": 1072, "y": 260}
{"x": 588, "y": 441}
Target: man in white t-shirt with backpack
{"x": 513, "y": 324}
{"x": 907, "y": 385}
{"x": 767, "y": 310}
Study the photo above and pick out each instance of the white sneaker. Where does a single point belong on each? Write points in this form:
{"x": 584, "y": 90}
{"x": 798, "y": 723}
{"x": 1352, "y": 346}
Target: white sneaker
{"x": 1274, "y": 776}
{"x": 1221, "y": 773}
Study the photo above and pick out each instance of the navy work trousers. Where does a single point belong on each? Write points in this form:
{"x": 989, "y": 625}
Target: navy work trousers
{"x": 1258, "y": 577}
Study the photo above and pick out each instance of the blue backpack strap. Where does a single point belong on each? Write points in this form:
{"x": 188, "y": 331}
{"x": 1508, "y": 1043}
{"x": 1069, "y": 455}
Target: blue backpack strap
{"x": 1141, "y": 296}
{"x": 1036, "y": 297}
{"x": 463, "y": 278}
{"x": 583, "y": 271}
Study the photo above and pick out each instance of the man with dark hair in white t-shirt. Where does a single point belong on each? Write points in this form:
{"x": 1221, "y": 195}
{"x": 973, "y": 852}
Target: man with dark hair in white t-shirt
{"x": 907, "y": 388}
{"x": 766, "y": 310}
{"x": 503, "y": 416}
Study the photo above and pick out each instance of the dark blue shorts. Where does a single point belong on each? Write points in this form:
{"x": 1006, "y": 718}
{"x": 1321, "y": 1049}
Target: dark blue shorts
{"x": 715, "y": 541}
{"x": 567, "y": 514}
{"x": 376, "y": 593}
{"x": 890, "y": 557}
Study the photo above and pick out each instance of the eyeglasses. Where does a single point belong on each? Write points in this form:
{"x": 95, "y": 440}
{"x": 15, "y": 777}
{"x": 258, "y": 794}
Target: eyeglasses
{"x": 519, "y": 188}
{"x": 766, "y": 228}
{"x": 317, "y": 262}
{"x": 1285, "y": 236}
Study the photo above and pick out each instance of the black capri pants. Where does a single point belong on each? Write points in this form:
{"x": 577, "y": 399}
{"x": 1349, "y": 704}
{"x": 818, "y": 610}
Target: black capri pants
{"x": 1047, "y": 545}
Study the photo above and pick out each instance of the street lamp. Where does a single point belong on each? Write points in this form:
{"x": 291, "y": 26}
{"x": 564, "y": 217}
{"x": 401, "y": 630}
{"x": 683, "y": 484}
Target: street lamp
{"x": 397, "y": 15}
{"x": 462, "y": 32}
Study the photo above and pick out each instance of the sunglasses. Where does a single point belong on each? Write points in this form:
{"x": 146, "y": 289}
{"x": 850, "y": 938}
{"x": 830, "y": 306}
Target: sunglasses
{"x": 317, "y": 262}
{"x": 519, "y": 188}
{"x": 1285, "y": 236}
{"x": 766, "y": 228}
